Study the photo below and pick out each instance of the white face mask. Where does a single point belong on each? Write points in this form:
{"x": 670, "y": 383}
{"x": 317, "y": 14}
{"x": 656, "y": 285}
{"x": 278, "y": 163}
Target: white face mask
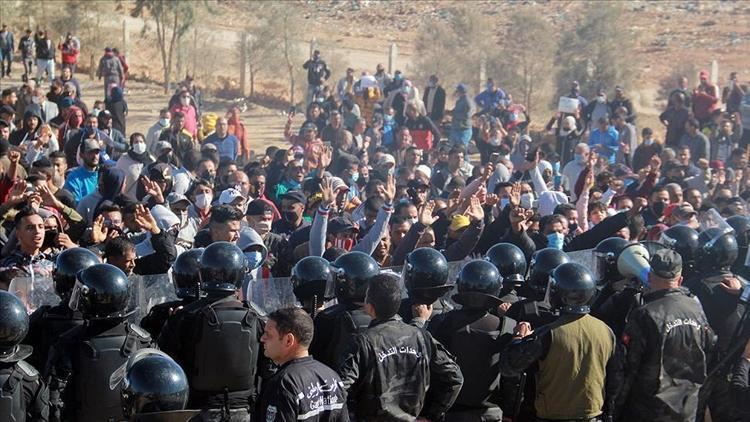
{"x": 504, "y": 202}
{"x": 139, "y": 148}
{"x": 164, "y": 122}
{"x": 203, "y": 200}
{"x": 495, "y": 141}
{"x": 35, "y": 100}
{"x": 262, "y": 227}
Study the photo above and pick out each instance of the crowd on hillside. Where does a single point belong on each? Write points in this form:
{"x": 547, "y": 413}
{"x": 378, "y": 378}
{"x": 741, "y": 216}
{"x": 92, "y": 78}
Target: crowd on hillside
{"x": 379, "y": 166}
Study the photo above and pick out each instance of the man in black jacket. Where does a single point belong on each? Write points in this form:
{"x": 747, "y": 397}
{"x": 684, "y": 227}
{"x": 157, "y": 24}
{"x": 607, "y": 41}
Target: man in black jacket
{"x": 302, "y": 388}
{"x": 317, "y": 74}
{"x": 667, "y": 342}
{"x": 434, "y": 100}
{"x": 396, "y": 371}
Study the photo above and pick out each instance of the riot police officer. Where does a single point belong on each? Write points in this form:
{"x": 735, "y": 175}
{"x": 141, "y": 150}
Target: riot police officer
{"x": 717, "y": 250}
{"x": 23, "y": 395}
{"x": 186, "y": 279}
{"x": 218, "y": 335}
{"x": 684, "y": 240}
{"x": 425, "y": 277}
{"x": 82, "y": 361}
{"x": 475, "y": 337}
{"x": 336, "y": 326}
{"x": 310, "y": 276}
{"x": 534, "y": 309}
{"x": 47, "y": 323}
{"x": 511, "y": 263}
{"x": 572, "y": 353}
{"x": 154, "y": 389}
{"x": 741, "y": 226}
{"x": 667, "y": 342}
{"x": 616, "y": 295}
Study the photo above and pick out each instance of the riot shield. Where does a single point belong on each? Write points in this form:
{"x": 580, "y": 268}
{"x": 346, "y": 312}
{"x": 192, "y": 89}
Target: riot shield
{"x": 34, "y": 292}
{"x": 148, "y": 291}
{"x": 269, "y": 294}
{"x": 588, "y": 259}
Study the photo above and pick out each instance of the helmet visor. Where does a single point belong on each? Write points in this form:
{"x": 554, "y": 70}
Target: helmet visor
{"x": 712, "y": 219}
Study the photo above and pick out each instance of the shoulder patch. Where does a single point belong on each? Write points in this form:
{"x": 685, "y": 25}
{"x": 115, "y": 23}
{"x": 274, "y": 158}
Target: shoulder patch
{"x": 27, "y": 369}
{"x": 271, "y": 414}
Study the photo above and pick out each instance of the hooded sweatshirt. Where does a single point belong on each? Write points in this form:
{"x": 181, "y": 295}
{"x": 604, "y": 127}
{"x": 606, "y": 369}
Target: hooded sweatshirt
{"x": 109, "y": 189}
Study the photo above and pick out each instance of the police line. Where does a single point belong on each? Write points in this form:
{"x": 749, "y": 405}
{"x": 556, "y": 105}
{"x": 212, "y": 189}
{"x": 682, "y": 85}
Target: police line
{"x": 266, "y": 294}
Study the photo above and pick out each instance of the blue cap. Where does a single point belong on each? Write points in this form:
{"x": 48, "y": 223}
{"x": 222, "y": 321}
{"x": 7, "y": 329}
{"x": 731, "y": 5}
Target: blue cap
{"x": 461, "y": 87}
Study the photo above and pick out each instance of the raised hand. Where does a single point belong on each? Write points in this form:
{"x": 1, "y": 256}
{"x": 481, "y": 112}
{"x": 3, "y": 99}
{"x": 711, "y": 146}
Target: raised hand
{"x": 425, "y": 213}
{"x": 98, "y": 231}
{"x": 475, "y": 212}
{"x": 153, "y": 189}
{"x": 390, "y": 189}
{"x": 146, "y": 220}
{"x": 326, "y": 191}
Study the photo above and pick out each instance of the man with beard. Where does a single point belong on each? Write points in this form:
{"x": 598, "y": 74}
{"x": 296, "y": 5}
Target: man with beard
{"x": 178, "y": 136}
{"x": 252, "y": 185}
{"x": 82, "y": 181}
{"x": 259, "y": 216}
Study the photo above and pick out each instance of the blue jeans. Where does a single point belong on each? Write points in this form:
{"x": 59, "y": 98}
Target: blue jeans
{"x": 460, "y": 137}
{"x": 6, "y": 56}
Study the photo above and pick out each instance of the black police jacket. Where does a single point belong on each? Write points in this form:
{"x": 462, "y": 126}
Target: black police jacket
{"x": 46, "y": 325}
{"x": 303, "y": 389}
{"x": 721, "y": 308}
{"x": 23, "y": 395}
{"x": 389, "y": 369}
{"x": 665, "y": 345}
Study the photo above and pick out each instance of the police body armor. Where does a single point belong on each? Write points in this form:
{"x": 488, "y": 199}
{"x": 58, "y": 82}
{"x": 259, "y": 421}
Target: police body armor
{"x": 344, "y": 322}
{"x": 476, "y": 348}
{"x": 226, "y": 353}
{"x": 93, "y": 361}
{"x": 11, "y": 395}
{"x": 46, "y": 326}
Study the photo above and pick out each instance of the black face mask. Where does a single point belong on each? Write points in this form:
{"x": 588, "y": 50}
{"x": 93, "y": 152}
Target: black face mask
{"x": 658, "y": 208}
{"x": 165, "y": 158}
{"x": 208, "y": 176}
{"x": 289, "y": 216}
{"x": 50, "y": 236}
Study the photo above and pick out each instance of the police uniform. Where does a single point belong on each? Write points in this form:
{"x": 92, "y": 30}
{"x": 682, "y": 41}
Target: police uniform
{"x": 439, "y": 307}
{"x": 303, "y": 390}
{"x": 158, "y": 314}
{"x": 667, "y": 343}
{"x": 46, "y": 325}
{"x": 335, "y": 330}
{"x": 217, "y": 342}
{"x": 572, "y": 354}
{"x": 80, "y": 365}
{"x": 476, "y": 337}
{"x": 388, "y": 371}
{"x": 23, "y": 395}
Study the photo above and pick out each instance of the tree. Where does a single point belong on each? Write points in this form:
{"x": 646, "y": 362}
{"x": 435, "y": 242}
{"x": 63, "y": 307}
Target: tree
{"x": 260, "y": 44}
{"x": 173, "y": 18}
{"x": 523, "y": 63}
{"x": 290, "y": 24}
{"x": 597, "y": 52}
{"x": 454, "y": 49}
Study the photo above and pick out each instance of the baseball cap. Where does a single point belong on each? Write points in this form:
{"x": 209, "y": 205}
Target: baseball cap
{"x": 295, "y": 196}
{"x": 425, "y": 170}
{"x": 337, "y": 183}
{"x": 461, "y": 88}
{"x": 208, "y": 147}
{"x": 342, "y": 224}
{"x": 230, "y": 195}
{"x": 161, "y": 146}
{"x": 680, "y": 211}
{"x": 717, "y": 165}
{"x": 703, "y": 74}
{"x": 259, "y": 207}
{"x": 90, "y": 144}
{"x": 386, "y": 159}
{"x": 174, "y": 198}
{"x": 666, "y": 263}
{"x": 417, "y": 183}
{"x": 160, "y": 171}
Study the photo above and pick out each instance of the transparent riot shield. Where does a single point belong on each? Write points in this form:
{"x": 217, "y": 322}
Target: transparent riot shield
{"x": 34, "y": 292}
{"x": 588, "y": 259}
{"x": 148, "y": 291}
{"x": 270, "y": 294}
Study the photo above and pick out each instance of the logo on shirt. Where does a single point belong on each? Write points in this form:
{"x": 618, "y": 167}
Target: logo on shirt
{"x": 680, "y": 322}
{"x": 271, "y": 413}
{"x": 402, "y": 350}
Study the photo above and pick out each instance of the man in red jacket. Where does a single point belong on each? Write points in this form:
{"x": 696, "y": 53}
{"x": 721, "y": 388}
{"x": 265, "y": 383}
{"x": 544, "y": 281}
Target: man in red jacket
{"x": 705, "y": 99}
{"x": 70, "y": 52}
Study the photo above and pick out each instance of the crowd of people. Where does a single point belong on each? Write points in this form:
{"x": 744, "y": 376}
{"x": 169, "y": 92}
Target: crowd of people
{"x": 364, "y": 208}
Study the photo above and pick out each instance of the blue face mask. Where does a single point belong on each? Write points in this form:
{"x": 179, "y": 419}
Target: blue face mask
{"x": 580, "y": 158}
{"x": 388, "y": 119}
{"x": 254, "y": 259}
{"x": 555, "y": 240}
{"x": 354, "y": 177}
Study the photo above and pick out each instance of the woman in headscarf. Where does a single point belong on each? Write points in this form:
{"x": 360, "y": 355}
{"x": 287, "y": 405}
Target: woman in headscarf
{"x": 132, "y": 164}
{"x": 118, "y": 107}
{"x": 237, "y": 128}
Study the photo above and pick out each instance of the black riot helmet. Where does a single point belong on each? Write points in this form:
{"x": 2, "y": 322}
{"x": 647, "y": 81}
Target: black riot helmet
{"x": 509, "y": 261}
{"x": 543, "y": 262}
{"x": 478, "y": 285}
{"x": 352, "y": 272}
{"x": 684, "y": 240}
{"x": 101, "y": 291}
{"x": 310, "y": 275}
{"x": 14, "y": 325}
{"x": 153, "y": 383}
{"x": 222, "y": 268}
{"x": 67, "y": 265}
{"x": 741, "y": 226}
{"x": 186, "y": 274}
{"x": 717, "y": 249}
{"x": 606, "y": 253}
{"x": 425, "y": 275}
{"x": 573, "y": 286}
